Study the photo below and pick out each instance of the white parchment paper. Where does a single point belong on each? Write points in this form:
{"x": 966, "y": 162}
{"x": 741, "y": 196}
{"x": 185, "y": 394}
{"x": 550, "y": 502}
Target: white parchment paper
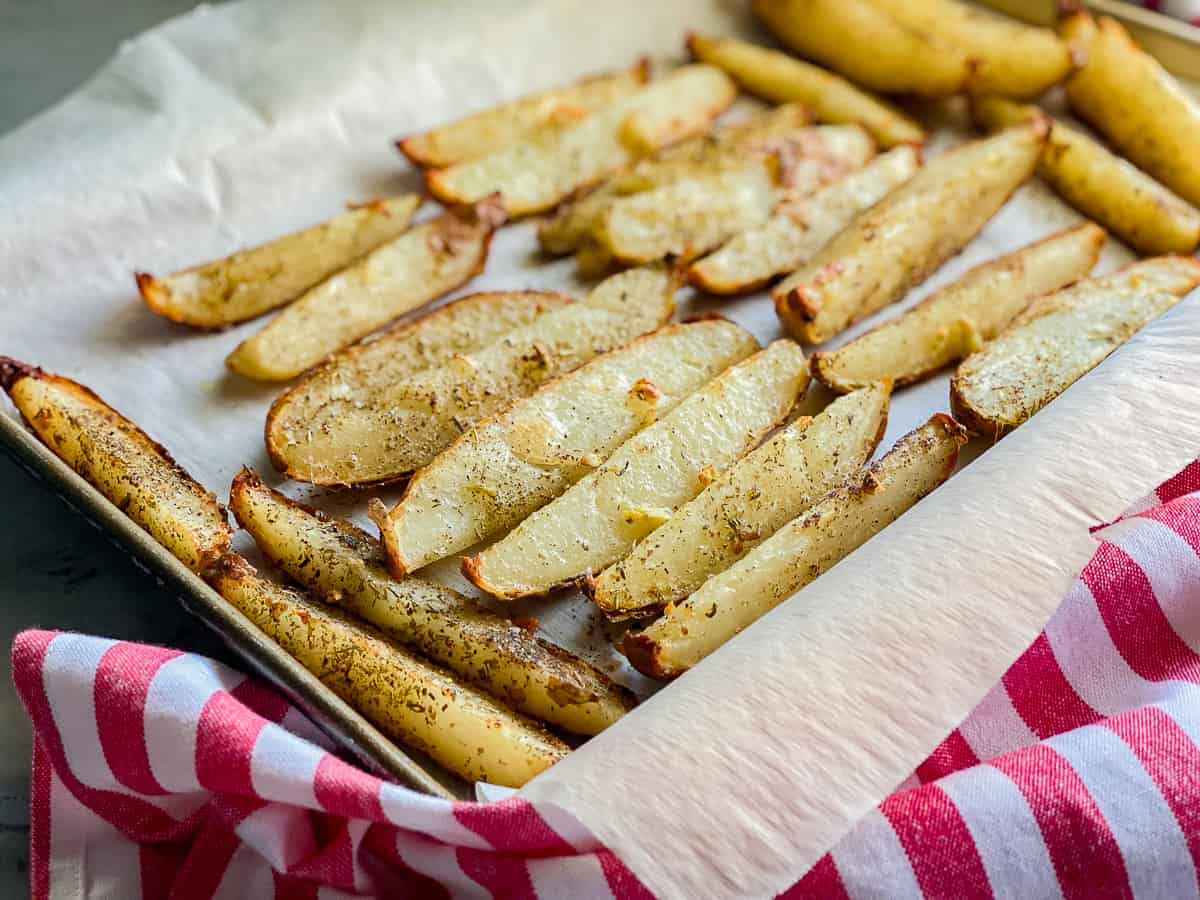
{"x": 234, "y": 124}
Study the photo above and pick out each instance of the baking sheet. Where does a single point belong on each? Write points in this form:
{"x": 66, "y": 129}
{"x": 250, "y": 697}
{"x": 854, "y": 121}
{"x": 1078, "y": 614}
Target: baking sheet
{"x": 232, "y": 125}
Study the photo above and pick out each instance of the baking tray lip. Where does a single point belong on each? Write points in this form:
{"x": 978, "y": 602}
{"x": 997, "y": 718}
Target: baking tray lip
{"x": 331, "y": 714}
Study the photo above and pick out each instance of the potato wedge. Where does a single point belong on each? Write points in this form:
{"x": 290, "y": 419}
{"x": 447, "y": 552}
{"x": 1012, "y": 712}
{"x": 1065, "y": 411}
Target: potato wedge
{"x": 688, "y": 217}
{"x": 121, "y": 461}
{"x": 1007, "y": 57}
{"x": 487, "y": 130}
{"x": 410, "y": 271}
{"x": 1136, "y": 103}
{"x": 798, "y": 553}
{"x": 512, "y": 464}
{"x": 957, "y": 320}
{"x": 780, "y": 78}
{"x": 860, "y": 40}
{"x": 800, "y": 227}
{"x": 334, "y": 411}
{"x": 699, "y": 155}
{"x": 411, "y": 701}
{"x": 534, "y": 175}
{"x": 745, "y": 505}
{"x": 692, "y": 215}
{"x": 598, "y": 519}
{"x": 415, "y": 417}
{"x": 1060, "y": 338}
{"x": 1146, "y": 215}
{"x": 896, "y": 243}
{"x": 251, "y": 282}
{"x": 345, "y": 566}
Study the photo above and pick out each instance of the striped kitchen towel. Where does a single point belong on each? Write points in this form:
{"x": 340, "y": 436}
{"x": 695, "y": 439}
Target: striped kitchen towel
{"x": 163, "y": 774}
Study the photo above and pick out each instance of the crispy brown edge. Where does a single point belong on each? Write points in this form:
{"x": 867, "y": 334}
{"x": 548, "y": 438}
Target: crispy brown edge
{"x": 12, "y": 371}
{"x": 643, "y": 654}
{"x": 340, "y": 356}
{"x": 970, "y": 418}
{"x": 156, "y": 296}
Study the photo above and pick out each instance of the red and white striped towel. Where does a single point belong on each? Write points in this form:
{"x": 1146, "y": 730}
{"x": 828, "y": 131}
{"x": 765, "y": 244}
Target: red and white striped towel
{"x": 159, "y": 774}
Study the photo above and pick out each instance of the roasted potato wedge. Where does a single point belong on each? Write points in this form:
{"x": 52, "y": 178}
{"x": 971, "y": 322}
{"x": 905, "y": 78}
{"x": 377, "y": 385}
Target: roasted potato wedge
{"x": 862, "y": 41}
{"x": 411, "y": 701}
{"x": 345, "y": 566}
{"x": 745, "y": 505}
{"x": 251, "y": 282}
{"x": 1061, "y": 337}
{"x": 781, "y": 78}
{"x": 801, "y": 226}
{"x": 487, "y": 130}
{"x": 1007, "y": 57}
{"x": 535, "y": 174}
{"x": 957, "y": 320}
{"x": 121, "y": 461}
{"x": 334, "y": 411}
{"x": 413, "y": 418}
{"x": 798, "y": 553}
{"x": 598, "y": 519}
{"x": 900, "y": 240}
{"x": 1146, "y": 215}
{"x": 692, "y": 215}
{"x": 512, "y": 464}
{"x": 701, "y": 155}
{"x": 410, "y": 271}
{"x": 1136, "y": 103}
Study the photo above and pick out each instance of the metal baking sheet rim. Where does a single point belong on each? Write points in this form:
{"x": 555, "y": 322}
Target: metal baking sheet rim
{"x": 1175, "y": 44}
{"x": 332, "y": 714}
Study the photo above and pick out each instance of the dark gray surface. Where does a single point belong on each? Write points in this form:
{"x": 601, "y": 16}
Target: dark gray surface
{"x": 57, "y": 571}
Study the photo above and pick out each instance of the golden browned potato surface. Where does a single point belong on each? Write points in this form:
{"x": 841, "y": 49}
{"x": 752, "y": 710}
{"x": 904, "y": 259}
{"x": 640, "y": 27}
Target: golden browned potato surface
{"x": 344, "y": 565}
{"x": 413, "y": 702}
{"x": 121, "y": 461}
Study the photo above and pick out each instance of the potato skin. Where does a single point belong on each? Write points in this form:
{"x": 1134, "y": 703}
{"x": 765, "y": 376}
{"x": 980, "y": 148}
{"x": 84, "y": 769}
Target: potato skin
{"x": 1006, "y": 56}
{"x": 413, "y": 702}
{"x": 860, "y": 40}
{"x": 1136, "y": 103}
{"x": 781, "y": 78}
{"x": 346, "y": 566}
{"x": 115, "y": 456}
{"x": 1146, "y": 215}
